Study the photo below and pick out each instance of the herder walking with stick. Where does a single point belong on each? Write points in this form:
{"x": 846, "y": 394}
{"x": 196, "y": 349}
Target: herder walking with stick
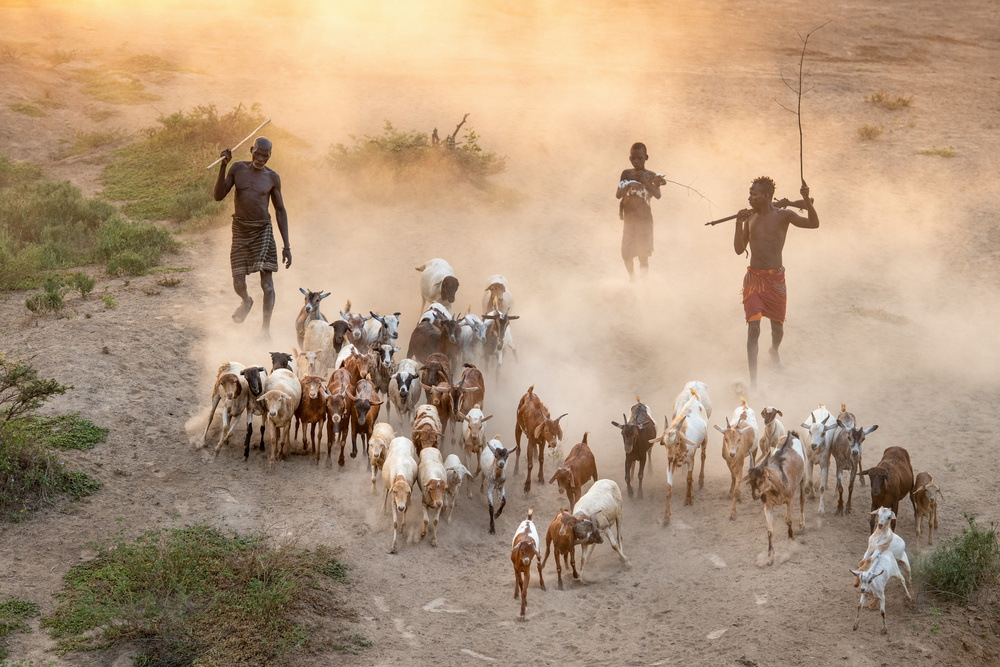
{"x": 253, "y": 249}
{"x": 764, "y": 227}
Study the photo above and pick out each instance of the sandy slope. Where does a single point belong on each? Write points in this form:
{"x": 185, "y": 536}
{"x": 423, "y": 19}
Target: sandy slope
{"x": 891, "y": 310}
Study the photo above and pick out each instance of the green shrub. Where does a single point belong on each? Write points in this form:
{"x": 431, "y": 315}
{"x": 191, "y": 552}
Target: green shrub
{"x": 13, "y": 612}
{"x": 132, "y": 248}
{"x": 48, "y": 211}
{"x": 962, "y": 564}
{"x": 401, "y": 157}
{"x": 190, "y": 592}
{"x": 163, "y": 175}
{"x": 49, "y": 300}
{"x": 82, "y": 282}
{"x": 21, "y": 390}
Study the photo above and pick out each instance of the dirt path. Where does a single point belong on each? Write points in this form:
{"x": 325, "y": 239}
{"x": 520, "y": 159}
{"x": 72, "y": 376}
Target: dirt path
{"x": 891, "y": 311}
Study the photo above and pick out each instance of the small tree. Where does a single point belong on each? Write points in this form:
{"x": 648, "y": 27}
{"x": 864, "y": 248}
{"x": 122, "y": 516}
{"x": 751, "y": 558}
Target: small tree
{"x": 21, "y": 390}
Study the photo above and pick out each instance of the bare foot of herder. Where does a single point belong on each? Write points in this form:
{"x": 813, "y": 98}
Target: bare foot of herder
{"x": 244, "y": 310}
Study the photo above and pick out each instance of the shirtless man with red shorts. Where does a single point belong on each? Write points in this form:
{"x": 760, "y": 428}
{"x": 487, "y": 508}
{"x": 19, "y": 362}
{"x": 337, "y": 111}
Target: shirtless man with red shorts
{"x": 763, "y": 227}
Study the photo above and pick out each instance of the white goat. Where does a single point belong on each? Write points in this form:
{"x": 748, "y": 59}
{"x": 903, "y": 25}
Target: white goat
{"x": 307, "y": 363}
{"x": 472, "y": 338}
{"x": 820, "y": 425}
{"x": 493, "y": 461}
{"x": 497, "y": 296}
{"x": 884, "y": 539}
{"x": 282, "y": 394}
{"x": 873, "y": 581}
{"x": 682, "y": 437}
{"x": 230, "y": 387}
{"x": 438, "y": 282}
{"x": 380, "y": 330}
{"x": 399, "y": 475}
{"x": 473, "y": 438}
{"x": 456, "y": 472}
{"x": 774, "y": 430}
{"x": 602, "y": 504}
{"x": 378, "y": 447}
{"x": 436, "y": 312}
{"x": 682, "y": 398}
{"x": 433, "y": 482}
{"x": 404, "y": 388}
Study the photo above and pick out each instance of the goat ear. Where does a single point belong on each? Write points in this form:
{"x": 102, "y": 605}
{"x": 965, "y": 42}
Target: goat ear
{"x": 841, "y": 425}
{"x": 486, "y": 419}
{"x": 805, "y": 426}
{"x": 863, "y": 472}
{"x": 538, "y": 431}
{"x": 856, "y": 573}
{"x": 239, "y": 389}
{"x": 303, "y": 291}
{"x": 779, "y": 413}
{"x": 324, "y": 295}
{"x": 719, "y": 429}
{"x": 869, "y": 430}
{"x": 616, "y": 424}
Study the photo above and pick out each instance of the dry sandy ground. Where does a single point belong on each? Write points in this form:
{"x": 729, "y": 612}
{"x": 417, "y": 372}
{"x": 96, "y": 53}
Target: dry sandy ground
{"x": 892, "y": 305}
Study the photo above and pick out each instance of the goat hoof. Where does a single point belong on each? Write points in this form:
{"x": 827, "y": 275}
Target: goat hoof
{"x": 630, "y": 494}
{"x": 493, "y": 531}
{"x": 354, "y": 454}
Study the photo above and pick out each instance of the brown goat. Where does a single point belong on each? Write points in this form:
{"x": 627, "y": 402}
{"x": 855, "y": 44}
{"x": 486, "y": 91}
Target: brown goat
{"x": 892, "y": 479}
{"x": 566, "y": 531}
{"x": 366, "y": 406}
{"x": 311, "y": 412}
{"x": 357, "y": 364}
{"x": 534, "y": 420}
{"x": 338, "y": 413}
{"x": 846, "y": 451}
{"x": 578, "y": 468}
{"x": 470, "y": 391}
{"x": 638, "y": 434}
{"x": 738, "y": 440}
{"x": 774, "y": 481}
{"x": 523, "y": 549}
{"x": 924, "y": 499}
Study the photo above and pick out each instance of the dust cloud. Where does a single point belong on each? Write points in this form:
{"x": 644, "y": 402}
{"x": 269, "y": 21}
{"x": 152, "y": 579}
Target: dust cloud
{"x": 877, "y": 296}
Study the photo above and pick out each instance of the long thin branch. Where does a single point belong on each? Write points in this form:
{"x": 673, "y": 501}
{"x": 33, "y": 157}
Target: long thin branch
{"x": 802, "y": 59}
{"x": 691, "y": 189}
{"x": 454, "y": 134}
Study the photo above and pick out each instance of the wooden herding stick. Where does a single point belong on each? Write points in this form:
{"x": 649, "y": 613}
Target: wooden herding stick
{"x": 242, "y": 142}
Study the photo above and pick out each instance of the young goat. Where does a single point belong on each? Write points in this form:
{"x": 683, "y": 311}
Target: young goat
{"x": 873, "y": 581}
{"x": 523, "y": 549}
{"x": 924, "y": 499}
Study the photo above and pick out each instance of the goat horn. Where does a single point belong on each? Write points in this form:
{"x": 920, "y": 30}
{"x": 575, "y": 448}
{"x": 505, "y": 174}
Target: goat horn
{"x": 561, "y": 416}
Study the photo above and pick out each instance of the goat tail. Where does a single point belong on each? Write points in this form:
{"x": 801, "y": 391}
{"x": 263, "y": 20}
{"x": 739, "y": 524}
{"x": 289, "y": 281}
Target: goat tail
{"x": 743, "y": 401}
{"x": 637, "y": 399}
{"x": 843, "y": 407}
{"x": 530, "y": 513}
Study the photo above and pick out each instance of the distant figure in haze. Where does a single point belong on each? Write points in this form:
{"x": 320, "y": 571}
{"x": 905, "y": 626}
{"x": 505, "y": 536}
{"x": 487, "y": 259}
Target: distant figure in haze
{"x": 253, "y": 249}
{"x": 635, "y": 187}
{"x": 763, "y": 227}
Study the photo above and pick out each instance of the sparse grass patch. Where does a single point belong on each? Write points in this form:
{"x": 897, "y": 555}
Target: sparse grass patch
{"x": 164, "y": 176}
{"x": 940, "y": 152}
{"x": 400, "y": 157}
{"x": 890, "y": 102}
{"x": 13, "y": 614}
{"x": 870, "y": 132}
{"x": 59, "y": 57}
{"x": 110, "y": 302}
{"x": 48, "y": 101}
{"x": 169, "y": 282}
{"x": 113, "y": 87}
{"x": 958, "y": 567}
{"x": 84, "y": 142}
{"x": 50, "y": 300}
{"x": 189, "y": 593}
{"x": 148, "y": 63}
{"x": 27, "y": 110}
{"x": 99, "y": 115}
{"x": 68, "y": 431}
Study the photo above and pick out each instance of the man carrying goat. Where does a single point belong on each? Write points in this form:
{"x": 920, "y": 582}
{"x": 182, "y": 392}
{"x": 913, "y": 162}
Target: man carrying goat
{"x": 253, "y": 249}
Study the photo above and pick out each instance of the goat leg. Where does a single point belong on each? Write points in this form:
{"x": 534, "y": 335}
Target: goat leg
{"x": 701, "y": 475}
{"x": 642, "y": 469}
{"x": 690, "y": 480}
{"x": 541, "y": 581}
{"x": 857, "y": 618}
{"x": 840, "y": 492}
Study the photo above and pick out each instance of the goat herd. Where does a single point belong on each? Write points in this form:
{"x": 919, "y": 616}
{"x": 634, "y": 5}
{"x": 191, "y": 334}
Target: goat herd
{"x": 357, "y": 352}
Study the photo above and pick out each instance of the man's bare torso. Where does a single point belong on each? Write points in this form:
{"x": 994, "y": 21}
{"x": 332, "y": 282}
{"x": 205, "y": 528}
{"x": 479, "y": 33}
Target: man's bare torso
{"x": 253, "y": 190}
{"x": 767, "y": 238}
